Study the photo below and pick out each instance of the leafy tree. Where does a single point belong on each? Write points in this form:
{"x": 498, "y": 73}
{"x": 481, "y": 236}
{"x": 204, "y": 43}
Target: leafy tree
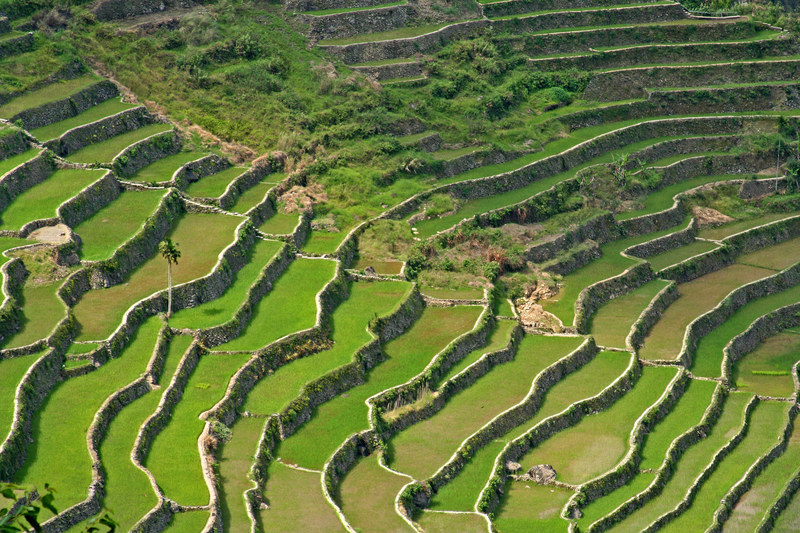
{"x": 22, "y": 506}
{"x": 169, "y": 251}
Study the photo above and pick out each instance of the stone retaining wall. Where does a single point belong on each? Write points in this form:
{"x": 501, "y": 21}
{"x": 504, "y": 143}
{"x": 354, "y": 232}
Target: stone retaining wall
{"x": 25, "y": 176}
{"x": 94, "y": 132}
{"x": 516, "y": 7}
{"x": 351, "y": 23}
{"x": 299, "y": 6}
{"x": 631, "y": 83}
{"x": 665, "y": 243}
{"x": 140, "y": 154}
{"x": 67, "y": 71}
{"x": 17, "y": 45}
{"x": 121, "y": 9}
{"x": 596, "y": 295}
{"x": 665, "y": 54}
{"x": 395, "y": 48}
{"x": 601, "y": 228}
{"x": 245, "y": 181}
{"x": 12, "y": 142}
{"x": 411, "y": 69}
{"x": 67, "y": 107}
{"x": 88, "y": 201}
{"x": 196, "y": 170}
{"x": 651, "y": 315}
{"x": 573, "y": 259}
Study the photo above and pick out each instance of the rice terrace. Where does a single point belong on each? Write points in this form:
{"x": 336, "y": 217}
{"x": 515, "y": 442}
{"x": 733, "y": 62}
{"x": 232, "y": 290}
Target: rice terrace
{"x": 420, "y": 265}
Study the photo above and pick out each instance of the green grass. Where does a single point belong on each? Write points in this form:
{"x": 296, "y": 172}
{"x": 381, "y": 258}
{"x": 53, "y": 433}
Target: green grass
{"x": 598, "y": 442}
{"x": 47, "y": 94}
{"x": 236, "y": 458}
{"x": 381, "y": 267}
{"x": 452, "y": 294}
{"x": 664, "y": 198}
{"x": 290, "y": 306}
{"x": 448, "y": 155}
{"x": 681, "y": 253}
{"x": 499, "y": 338}
{"x": 665, "y": 339}
{"x": 296, "y": 502}
{"x": 188, "y": 522}
{"x": 686, "y": 413}
{"x": 102, "y": 110}
{"x": 42, "y": 200}
{"x": 611, "y": 324}
{"x": 59, "y": 455}
{"x": 280, "y": 223}
{"x": 105, "y": 231}
{"x": 414, "y": 452}
{"x": 707, "y": 360}
{"x": 433, "y": 522}
{"x": 693, "y": 461}
{"x": 214, "y": 185}
{"x": 105, "y": 151}
{"x": 78, "y": 349}
{"x": 767, "y": 423}
{"x": 201, "y": 238}
{"x": 766, "y": 488}
{"x": 400, "y": 33}
{"x": 368, "y": 477}
{"x": 776, "y": 257}
{"x": 757, "y": 372}
{"x": 223, "y": 308}
{"x": 612, "y": 263}
{"x": 128, "y": 489}
{"x": 324, "y": 242}
{"x": 504, "y": 308}
{"x": 11, "y": 373}
{"x": 525, "y": 506}
{"x": 407, "y": 355}
{"x": 42, "y": 309}
{"x": 174, "y": 458}
{"x": 251, "y": 197}
{"x": 322, "y": 12}
{"x": 164, "y": 168}
{"x": 14, "y": 161}
{"x": 462, "y": 492}
{"x": 350, "y": 321}
{"x": 737, "y": 226}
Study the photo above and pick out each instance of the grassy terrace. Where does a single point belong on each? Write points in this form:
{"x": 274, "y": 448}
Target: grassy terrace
{"x": 407, "y": 355}
{"x": 223, "y": 308}
{"x": 58, "y": 454}
{"x": 296, "y": 502}
{"x": 598, "y": 442}
{"x": 664, "y": 198}
{"x": 400, "y": 33}
{"x": 527, "y": 505}
{"x": 413, "y": 452}
{"x": 497, "y": 340}
{"x": 462, "y": 492}
{"x": 612, "y": 323}
{"x": 350, "y": 321}
{"x": 174, "y": 457}
{"x": 590, "y": 8}
{"x": 697, "y": 297}
{"x": 612, "y": 263}
{"x": 163, "y": 169}
{"x": 738, "y": 226}
{"x": 188, "y": 522}
{"x": 322, "y": 12}
{"x": 251, "y": 197}
{"x": 369, "y": 477}
{"x": 109, "y": 228}
{"x": 202, "y": 237}
{"x": 766, "y": 489}
{"x": 465, "y": 294}
{"x": 381, "y": 267}
{"x": 234, "y": 465}
{"x": 767, "y": 370}
{"x": 693, "y": 461}
{"x": 290, "y": 306}
{"x": 11, "y": 373}
{"x": 41, "y": 310}
{"x": 324, "y": 243}
{"x": 214, "y": 185}
{"x": 280, "y": 223}
{"x": 42, "y": 200}
{"x": 436, "y": 522}
{"x": 128, "y": 489}
{"x": 47, "y": 94}
{"x": 767, "y": 423}
{"x": 14, "y": 161}
{"x": 685, "y": 414}
{"x": 105, "y": 151}
{"x": 102, "y": 110}
{"x": 679, "y": 254}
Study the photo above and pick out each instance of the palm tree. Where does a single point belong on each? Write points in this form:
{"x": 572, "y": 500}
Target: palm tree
{"x": 169, "y": 251}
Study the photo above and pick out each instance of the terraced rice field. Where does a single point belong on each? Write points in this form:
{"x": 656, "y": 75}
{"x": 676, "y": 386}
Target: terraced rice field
{"x": 317, "y": 432}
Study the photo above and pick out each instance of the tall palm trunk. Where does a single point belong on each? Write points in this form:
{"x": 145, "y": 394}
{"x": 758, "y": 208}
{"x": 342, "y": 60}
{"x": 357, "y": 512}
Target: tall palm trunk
{"x": 169, "y": 291}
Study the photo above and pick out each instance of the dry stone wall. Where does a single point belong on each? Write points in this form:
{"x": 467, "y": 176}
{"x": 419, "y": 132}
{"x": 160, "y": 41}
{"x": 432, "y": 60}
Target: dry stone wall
{"x": 67, "y": 107}
{"x": 146, "y": 151}
{"x": 77, "y": 138}
{"x": 342, "y": 25}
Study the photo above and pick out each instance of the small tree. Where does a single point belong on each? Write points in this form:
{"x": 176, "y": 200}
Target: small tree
{"x": 169, "y": 251}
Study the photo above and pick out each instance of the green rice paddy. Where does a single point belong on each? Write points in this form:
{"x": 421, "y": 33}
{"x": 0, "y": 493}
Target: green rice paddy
{"x": 611, "y": 324}
{"x": 164, "y": 168}
{"x": 42, "y": 309}
{"x": 251, "y": 197}
{"x": 6, "y": 165}
{"x": 280, "y": 223}
{"x": 102, "y": 110}
{"x": 105, "y": 151}
{"x": 47, "y": 94}
{"x": 214, "y": 185}
{"x": 369, "y": 477}
{"x": 11, "y": 373}
{"x": 767, "y": 369}
{"x": 679, "y": 254}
